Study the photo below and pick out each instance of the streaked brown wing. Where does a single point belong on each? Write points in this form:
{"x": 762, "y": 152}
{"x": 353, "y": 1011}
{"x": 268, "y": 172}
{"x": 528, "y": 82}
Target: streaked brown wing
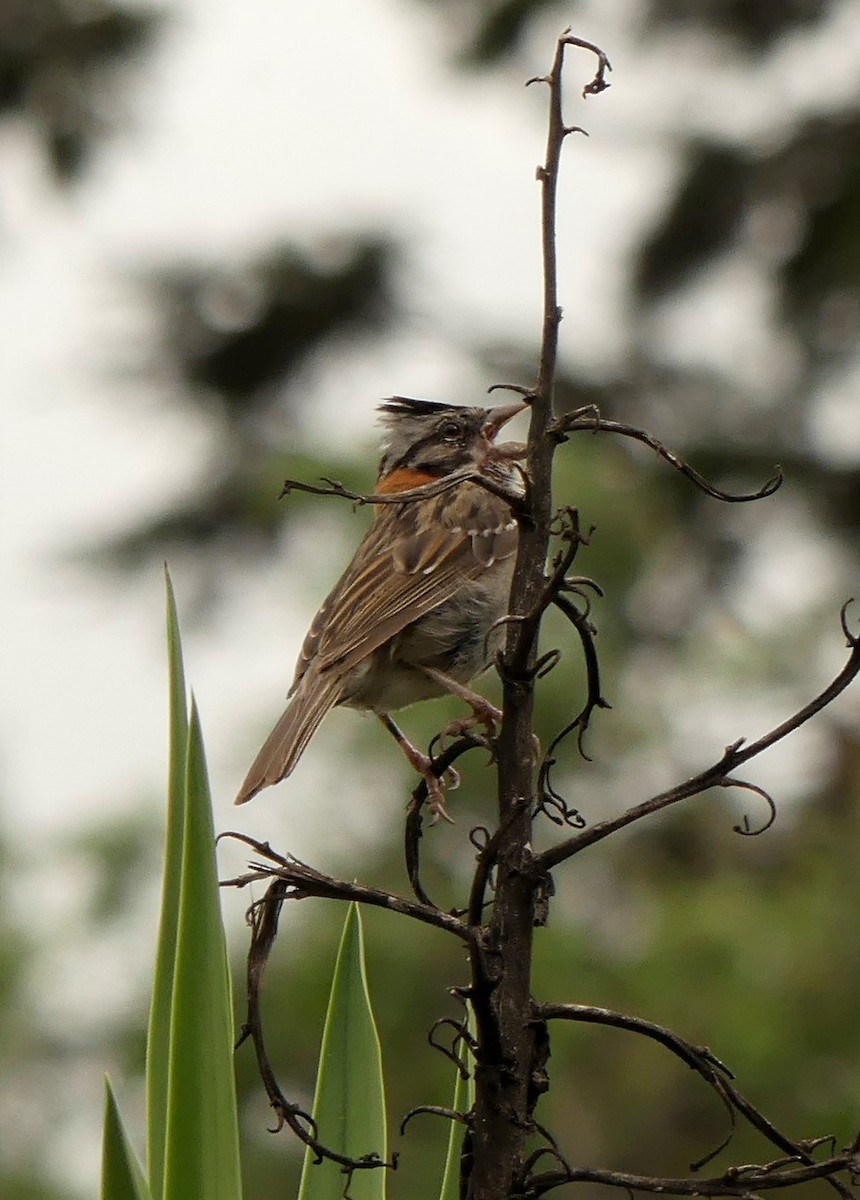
{"x": 411, "y": 560}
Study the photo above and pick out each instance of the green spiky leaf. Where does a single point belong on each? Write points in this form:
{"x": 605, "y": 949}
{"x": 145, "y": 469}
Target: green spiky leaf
{"x": 201, "y": 1156}
{"x": 349, "y": 1105}
{"x": 158, "y": 1040}
{"x": 122, "y": 1176}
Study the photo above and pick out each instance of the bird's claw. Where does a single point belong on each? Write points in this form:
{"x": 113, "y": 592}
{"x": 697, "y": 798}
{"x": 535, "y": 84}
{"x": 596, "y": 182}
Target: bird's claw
{"x": 436, "y": 799}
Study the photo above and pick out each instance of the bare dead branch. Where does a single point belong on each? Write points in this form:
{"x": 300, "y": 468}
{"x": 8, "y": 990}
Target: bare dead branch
{"x": 302, "y": 881}
{"x": 714, "y": 1072}
{"x": 504, "y": 1098}
{"x": 719, "y": 774}
{"x": 745, "y": 1184}
{"x": 512, "y": 1044}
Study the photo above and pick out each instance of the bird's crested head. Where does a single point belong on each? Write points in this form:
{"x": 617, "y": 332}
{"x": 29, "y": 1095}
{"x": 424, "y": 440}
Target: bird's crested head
{"x": 435, "y": 439}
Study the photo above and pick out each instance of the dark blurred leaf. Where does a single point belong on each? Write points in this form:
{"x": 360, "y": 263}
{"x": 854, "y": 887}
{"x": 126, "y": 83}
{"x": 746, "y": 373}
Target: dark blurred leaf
{"x": 237, "y": 341}
{"x": 804, "y": 199}
{"x": 487, "y": 33}
{"x": 501, "y": 29}
{"x": 490, "y": 32}
{"x": 53, "y": 60}
{"x": 819, "y": 173}
{"x": 238, "y": 331}
{"x": 703, "y": 218}
{"x": 755, "y": 23}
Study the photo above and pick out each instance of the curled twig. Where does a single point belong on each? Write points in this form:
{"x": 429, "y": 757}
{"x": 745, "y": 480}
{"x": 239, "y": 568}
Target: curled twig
{"x": 534, "y": 1158}
{"x": 715, "y": 1073}
{"x": 486, "y": 860}
{"x": 567, "y": 529}
{"x": 546, "y": 663}
{"x": 550, "y": 801}
{"x": 435, "y": 1110}
{"x": 598, "y": 84}
{"x": 413, "y": 829}
{"x": 527, "y": 393}
{"x": 461, "y": 1034}
{"x": 580, "y": 421}
{"x": 745, "y": 828}
{"x": 479, "y": 835}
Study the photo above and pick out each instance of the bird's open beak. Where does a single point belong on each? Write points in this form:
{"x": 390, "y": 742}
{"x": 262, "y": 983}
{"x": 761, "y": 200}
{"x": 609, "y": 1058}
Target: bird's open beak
{"x": 496, "y": 419}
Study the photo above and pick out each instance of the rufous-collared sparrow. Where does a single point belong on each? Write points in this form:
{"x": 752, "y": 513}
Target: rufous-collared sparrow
{"x": 417, "y": 612}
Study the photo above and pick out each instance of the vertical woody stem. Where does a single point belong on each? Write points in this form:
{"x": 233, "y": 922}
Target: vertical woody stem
{"x": 510, "y": 1064}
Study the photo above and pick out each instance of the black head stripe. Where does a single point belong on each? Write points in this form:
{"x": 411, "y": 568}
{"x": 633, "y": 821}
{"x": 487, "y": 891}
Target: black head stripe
{"x": 414, "y": 407}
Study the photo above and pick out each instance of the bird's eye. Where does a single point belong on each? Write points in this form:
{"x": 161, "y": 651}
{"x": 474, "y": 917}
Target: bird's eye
{"x": 450, "y": 430}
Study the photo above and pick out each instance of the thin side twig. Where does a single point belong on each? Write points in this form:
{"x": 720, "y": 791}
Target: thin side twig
{"x": 718, "y": 775}
{"x": 331, "y": 487}
{"x": 302, "y": 881}
{"x": 590, "y": 420}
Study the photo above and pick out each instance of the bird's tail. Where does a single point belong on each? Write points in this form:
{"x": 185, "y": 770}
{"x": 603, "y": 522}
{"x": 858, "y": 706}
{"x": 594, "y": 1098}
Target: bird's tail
{"x": 284, "y": 746}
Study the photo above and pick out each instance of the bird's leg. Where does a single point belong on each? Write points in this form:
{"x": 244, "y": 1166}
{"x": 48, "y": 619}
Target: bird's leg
{"x": 424, "y": 766}
{"x": 483, "y": 713}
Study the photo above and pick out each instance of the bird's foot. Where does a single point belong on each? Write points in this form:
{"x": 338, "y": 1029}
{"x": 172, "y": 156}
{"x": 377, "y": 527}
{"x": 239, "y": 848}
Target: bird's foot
{"x": 435, "y": 784}
{"x": 428, "y": 770}
{"x": 485, "y": 714}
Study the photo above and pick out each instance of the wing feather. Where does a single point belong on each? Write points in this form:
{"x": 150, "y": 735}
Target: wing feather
{"x": 412, "y": 560}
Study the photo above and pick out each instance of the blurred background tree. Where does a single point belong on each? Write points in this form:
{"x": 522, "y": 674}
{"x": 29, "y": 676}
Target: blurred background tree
{"x": 735, "y": 306}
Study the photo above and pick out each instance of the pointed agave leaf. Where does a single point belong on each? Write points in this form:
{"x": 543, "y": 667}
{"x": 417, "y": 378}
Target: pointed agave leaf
{"x": 122, "y": 1176}
{"x": 349, "y": 1105}
{"x": 158, "y": 1040}
{"x": 464, "y": 1100}
{"x": 201, "y": 1155}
